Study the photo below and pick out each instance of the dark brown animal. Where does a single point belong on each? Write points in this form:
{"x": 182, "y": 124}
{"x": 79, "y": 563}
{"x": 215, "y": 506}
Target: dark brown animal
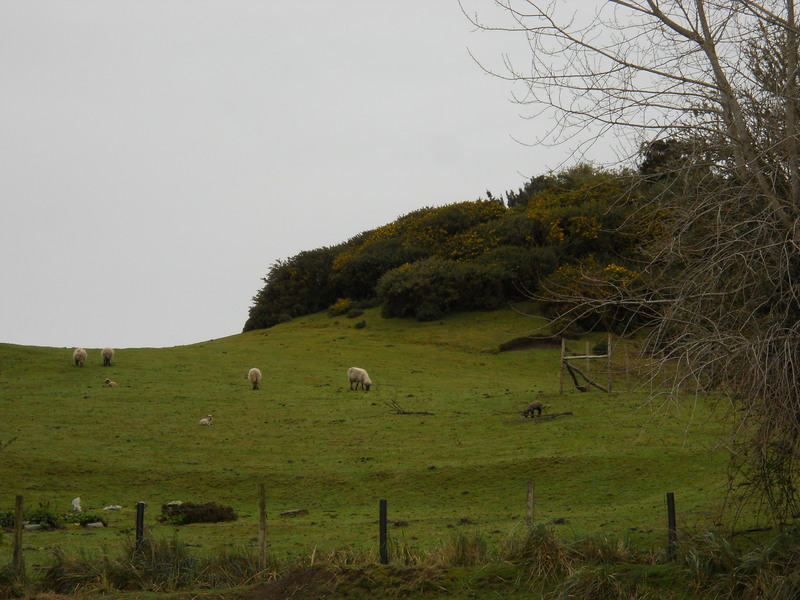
{"x": 534, "y": 407}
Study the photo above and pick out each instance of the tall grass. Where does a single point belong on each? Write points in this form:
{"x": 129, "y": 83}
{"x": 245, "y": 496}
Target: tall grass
{"x": 155, "y": 565}
{"x": 533, "y": 563}
{"x": 599, "y": 582}
{"x": 769, "y": 570}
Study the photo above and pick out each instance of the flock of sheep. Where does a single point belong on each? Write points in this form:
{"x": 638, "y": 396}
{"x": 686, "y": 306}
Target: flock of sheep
{"x": 356, "y": 375}
{"x": 79, "y": 356}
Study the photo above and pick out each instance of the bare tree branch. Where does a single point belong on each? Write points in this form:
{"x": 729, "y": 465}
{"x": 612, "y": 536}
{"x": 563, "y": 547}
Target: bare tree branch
{"x": 718, "y": 280}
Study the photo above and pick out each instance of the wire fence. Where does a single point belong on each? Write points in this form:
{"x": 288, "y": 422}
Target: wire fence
{"x": 201, "y": 513}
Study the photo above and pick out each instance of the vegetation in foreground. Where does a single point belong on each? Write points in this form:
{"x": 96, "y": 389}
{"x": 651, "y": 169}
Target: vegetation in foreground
{"x": 440, "y": 435}
{"x": 533, "y": 563}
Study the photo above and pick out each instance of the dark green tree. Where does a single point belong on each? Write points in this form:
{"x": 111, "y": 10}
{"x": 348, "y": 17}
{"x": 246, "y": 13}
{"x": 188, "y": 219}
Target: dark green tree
{"x": 298, "y": 286}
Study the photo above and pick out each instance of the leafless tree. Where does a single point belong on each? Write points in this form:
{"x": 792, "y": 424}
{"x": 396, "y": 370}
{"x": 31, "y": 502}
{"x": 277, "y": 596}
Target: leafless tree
{"x": 715, "y": 83}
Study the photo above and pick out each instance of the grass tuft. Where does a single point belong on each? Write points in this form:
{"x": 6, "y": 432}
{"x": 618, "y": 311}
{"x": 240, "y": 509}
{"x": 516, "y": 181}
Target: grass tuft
{"x": 541, "y": 552}
{"x": 598, "y": 582}
{"x": 157, "y": 565}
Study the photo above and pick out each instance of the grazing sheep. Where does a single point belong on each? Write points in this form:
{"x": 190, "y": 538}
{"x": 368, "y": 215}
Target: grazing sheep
{"x": 254, "y": 375}
{"x": 359, "y": 376}
{"x": 107, "y": 354}
{"x": 79, "y": 356}
{"x": 109, "y": 383}
{"x": 208, "y": 420}
{"x": 536, "y": 407}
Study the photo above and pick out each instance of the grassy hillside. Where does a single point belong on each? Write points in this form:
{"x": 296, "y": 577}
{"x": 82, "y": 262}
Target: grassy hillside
{"x": 456, "y": 462}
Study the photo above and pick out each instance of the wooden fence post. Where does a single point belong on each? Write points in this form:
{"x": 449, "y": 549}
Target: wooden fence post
{"x": 140, "y": 525}
{"x": 262, "y": 528}
{"x": 530, "y": 503}
{"x": 561, "y": 370}
{"x": 628, "y": 369}
{"x": 18, "y": 559}
{"x": 588, "y": 361}
{"x": 671, "y": 528}
{"x": 384, "y": 546}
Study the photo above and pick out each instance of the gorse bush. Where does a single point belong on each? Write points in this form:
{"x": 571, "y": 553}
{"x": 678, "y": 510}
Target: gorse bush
{"x": 447, "y": 231}
{"x": 340, "y": 307}
{"x": 520, "y": 269}
{"x": 436, "y": 286}
{"x": 298, "y": 286}
{"x": 356, "y": 270}
{"x": 554, "y": 220}
{"x": 568, "y": 290}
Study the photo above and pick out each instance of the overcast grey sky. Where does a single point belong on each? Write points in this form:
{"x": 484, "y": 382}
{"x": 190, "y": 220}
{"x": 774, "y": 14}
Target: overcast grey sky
{"x": 158, "y": 156}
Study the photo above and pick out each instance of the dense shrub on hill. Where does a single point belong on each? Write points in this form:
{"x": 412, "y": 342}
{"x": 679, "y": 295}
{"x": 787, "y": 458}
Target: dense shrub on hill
{"x": 518, "y": 228}
{"x": 573, "y": 178}
{"x": 430, "y": 288}
{"x": 448, "y": 231}
{"x": 520, "y": 269}
{"x": 357, "y": 270}
{"x": 298, "y": 286}
{"x": 573, "y": 288}
{"x": 485, "y": 252}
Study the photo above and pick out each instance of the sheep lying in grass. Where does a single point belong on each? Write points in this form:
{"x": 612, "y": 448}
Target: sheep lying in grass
{"x": 109, "y": 383}
{"x": 254, "y": 375}
{"x": 359, "y": 376}
{"x": 207, "y": 420}
{"x": 534, "y": 407}
{"x": 79, "y": 356}
{"x": 107, "y": 354}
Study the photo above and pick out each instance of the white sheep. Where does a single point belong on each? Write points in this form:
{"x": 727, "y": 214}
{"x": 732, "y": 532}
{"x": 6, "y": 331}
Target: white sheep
{"x": 207, "y": 420}
{"x": 76, "y": 505}
{"x": 254, "y": 375}
{"x": 107, "y": 354}
{"x": 109, "y": 383}
{"x": 79, "y": 356}
{"x": 359, "y": 376}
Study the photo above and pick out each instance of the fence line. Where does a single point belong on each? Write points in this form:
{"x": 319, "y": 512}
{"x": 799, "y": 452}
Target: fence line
{"x": 18, "y": 562}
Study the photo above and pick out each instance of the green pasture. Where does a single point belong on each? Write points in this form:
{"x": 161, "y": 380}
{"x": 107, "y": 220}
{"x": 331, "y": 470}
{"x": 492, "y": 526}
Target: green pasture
{"x": 439, "y": 436}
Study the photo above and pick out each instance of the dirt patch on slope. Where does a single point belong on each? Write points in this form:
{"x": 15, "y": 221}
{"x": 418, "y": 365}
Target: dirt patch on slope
{"x": 531, "y": 341}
